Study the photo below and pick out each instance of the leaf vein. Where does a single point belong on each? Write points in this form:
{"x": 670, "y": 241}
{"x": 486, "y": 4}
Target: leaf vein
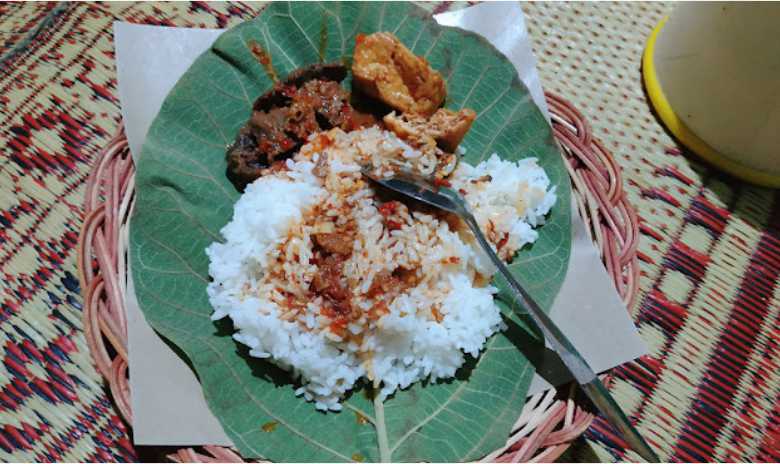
{"x": 174, "y": 253}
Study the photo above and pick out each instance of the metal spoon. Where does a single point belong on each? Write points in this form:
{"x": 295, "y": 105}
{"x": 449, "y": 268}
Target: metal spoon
{"x": 448, "y": 200}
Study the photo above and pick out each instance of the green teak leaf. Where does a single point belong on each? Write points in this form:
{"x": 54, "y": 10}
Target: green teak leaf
{"x": 184, "y": 199}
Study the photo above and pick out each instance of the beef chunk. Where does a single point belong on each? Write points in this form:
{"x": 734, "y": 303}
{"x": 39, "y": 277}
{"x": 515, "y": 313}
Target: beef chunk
{"x": 334, "y": 243}
{"x": 278, "y": 95}
{"x": 328, "y": 283}
{"x": 308, "y": 101}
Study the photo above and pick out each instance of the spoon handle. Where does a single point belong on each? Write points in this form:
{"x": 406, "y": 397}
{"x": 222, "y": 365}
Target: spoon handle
{"x": 579, "y": 368}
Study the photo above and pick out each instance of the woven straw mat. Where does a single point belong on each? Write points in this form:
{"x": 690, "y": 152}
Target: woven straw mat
{"x": 710, "y": 250}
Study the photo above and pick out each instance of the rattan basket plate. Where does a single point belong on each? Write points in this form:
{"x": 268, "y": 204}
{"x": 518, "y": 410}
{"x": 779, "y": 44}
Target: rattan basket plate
{"x": 549, "y": 421}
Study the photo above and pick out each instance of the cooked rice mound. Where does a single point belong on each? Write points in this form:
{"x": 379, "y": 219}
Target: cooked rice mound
{"x": 335, "y": 282}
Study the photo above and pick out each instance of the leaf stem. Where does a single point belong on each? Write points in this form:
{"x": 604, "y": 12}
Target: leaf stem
{"x": 381, "y": 428}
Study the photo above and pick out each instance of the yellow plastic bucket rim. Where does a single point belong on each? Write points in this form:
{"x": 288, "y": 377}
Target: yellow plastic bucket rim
{"x": 681, "y": 131}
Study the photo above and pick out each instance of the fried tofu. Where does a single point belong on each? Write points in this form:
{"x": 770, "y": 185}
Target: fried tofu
{"x": 445, "y": 129}
{"x": 438, "y": 135}
{"x": 383, "y": 68}
{"x": 449, "y": 127}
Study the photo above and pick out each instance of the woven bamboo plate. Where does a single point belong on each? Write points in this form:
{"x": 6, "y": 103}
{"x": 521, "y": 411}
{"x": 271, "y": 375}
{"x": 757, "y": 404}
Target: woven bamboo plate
{"x": 548, "y": 422}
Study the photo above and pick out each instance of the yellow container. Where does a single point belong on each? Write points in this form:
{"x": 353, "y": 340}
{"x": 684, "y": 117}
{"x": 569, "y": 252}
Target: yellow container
{"x": 712, "y": 72}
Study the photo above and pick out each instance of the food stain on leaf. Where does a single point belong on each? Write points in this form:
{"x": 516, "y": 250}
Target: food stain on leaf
{"x": 264, "y": 58}
{"x": 358, "y": 457}
{"x": 447, "y": 68}
{"x": 347, "y": 61}
{"x": 360, "y": 418}
{"x": 269, "y": 426}
{"x": 323, "y": 37}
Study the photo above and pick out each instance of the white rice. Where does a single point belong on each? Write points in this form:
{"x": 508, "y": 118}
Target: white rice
{"x": 263, "y": 272}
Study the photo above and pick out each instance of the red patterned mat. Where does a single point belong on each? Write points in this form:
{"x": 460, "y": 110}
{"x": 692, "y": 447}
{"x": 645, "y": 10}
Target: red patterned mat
{"x": 709, "y": 305}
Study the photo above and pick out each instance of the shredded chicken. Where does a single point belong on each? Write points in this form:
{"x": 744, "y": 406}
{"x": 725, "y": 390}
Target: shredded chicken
{"x": 383, "y": 68}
